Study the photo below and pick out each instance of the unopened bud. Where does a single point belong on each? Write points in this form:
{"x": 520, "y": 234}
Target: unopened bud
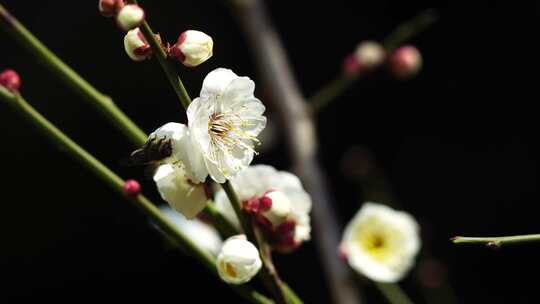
{"x": 406, "y": 62}
{"x": 370, "y": 54}
{"x": 276, "y": 207}
{"x": 109, "y": 8}
{"x": 132, "y": 187}
{"x": 130, "y": 17}
{"x": 238, "y": 261}
{"x": 351, "y": 65}
{"x": 136, "y": 45}
{"x": 10, "y": 80}
{"x": 193, "y": 48}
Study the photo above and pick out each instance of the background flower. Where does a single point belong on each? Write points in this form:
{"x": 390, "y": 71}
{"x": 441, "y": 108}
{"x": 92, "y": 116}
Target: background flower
{"x": 381, "y": 243}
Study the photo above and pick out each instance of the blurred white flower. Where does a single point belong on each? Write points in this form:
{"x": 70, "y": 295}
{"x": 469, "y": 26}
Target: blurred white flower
{"x": 136, "y": 46}
{"x": 257, "y": 184}
{"x": 193, "y": 48}
{"x": 177, "y": 190}
{"x": 238, "y": 261}
{"x": 200, "y": 233}
{"x": 381, "y": 243}
{"x": 370, "y": 54}
{"x": 224, "y": 122}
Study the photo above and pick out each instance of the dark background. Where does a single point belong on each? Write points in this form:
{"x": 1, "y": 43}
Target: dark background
{"x": 457, "y": 144}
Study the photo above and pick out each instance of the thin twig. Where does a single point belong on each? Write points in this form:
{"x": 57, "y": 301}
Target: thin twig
{"x": 275, "y": 72}
{"x": 168, "y": 68}
{"x": 72, "y": 149}
{"x": 405, "y": 31}
{"x": 393, "y": 293}
{"x": 497, "y": 242}
{"x": 43, "y": 55}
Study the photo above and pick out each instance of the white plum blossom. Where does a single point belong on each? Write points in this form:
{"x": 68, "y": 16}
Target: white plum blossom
{"x": 193, "y": 48}
{"x": 224, "y": 122}
{"x": 200, "y": 233}
{"x": 177, "y": 190}
{"x": 381, "y": 243}
{"x": 260, "y": 183}
{"x": 238, "y": 261}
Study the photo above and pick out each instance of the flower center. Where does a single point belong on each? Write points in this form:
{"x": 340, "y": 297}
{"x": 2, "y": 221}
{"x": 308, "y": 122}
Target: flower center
{"x": 226, "y": 132}
{"x": 219, "y": 126}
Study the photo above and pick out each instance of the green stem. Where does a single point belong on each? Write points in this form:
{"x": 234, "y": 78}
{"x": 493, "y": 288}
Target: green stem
{"x": 217, "y": 219}
{"x": 43, "y": 55}
{"x": 402, "y": 33}
{"x": 497, "y": 242}
{"x": 167, "y": 67}
{"x": 393, "y": 293}
{"x": 68, "y": 146}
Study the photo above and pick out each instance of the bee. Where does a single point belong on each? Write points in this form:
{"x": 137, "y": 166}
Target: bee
{"x": 154, "y": 150}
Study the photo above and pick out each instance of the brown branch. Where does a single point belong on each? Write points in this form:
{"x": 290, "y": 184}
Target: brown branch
{"x": 296, "y": 118}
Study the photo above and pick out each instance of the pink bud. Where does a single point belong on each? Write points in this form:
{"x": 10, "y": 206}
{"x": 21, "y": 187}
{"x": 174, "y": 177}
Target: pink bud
{"x": 10, "y": 80}
{"x": 405, "y": 62}
{"x": 130, "y": 17}
{"x": 351, "y": 65}
{"x": 251, "y": 205}
{"x": 136, "y": 46}
{"x": 109, "y": 8}
{"x": 132, "y": 187}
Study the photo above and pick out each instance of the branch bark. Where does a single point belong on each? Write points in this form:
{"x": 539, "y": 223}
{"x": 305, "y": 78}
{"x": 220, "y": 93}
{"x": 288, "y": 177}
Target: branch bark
{"x": 296, "y": 118}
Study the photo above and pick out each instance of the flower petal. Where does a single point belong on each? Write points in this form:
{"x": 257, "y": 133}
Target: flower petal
{"x": 216, "y": 82}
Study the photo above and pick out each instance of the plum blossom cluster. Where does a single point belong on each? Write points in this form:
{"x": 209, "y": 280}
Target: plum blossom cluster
{"x": 276, "y": 200}
{"x": 219, "y": 140}
{"x": 381, "y": 243}
{"x": 404, "y": 62}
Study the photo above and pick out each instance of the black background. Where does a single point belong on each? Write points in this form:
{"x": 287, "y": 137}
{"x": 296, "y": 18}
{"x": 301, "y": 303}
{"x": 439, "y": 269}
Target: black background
{"x": 458, "y": 145}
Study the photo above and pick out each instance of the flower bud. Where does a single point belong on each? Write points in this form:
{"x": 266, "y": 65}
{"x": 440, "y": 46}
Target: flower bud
{"x": 351, "y": 65}
{"x": 132, "y": 187}
{"x": 176, "y": 189}
{"x": 275, "y": 207}
{"x": 136, "y": 46}
{"x": 369, "y": 54}
{"x": 405, "y": 62}
{"x": 10, "y": 80}
{"x": 109, "y": 8}
{"x": 130, "y": 17}
{"x": 192, "y": 48}
{"x": 238, "y": 260}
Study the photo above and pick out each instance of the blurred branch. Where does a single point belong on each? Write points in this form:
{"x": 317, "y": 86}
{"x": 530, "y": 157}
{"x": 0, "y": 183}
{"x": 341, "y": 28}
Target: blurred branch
{"x": 43, "y": 55}
{"x": 168, "y": 68}
{"x": 402, "y": 33}
{"x": 393, "y": 293}
{"x": 275, "y": 72}
{"x": 497, "y": 242}
{"x": 72, "y": 149}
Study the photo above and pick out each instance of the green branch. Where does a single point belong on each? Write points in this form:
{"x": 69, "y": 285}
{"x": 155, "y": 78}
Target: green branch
{"x": 43, "y": 55}
{"x": 393, "y": 293}
{"x": 497, "y": 242}
{"x": 168, "y": 68}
